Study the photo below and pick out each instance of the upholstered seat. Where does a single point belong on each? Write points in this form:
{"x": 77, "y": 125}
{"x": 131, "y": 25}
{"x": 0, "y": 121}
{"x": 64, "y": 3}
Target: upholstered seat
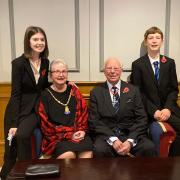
{"x": 166, "y": 138}
{"x": 162, "y": 135}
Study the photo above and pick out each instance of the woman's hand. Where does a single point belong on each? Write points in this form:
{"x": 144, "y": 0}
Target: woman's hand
{"x": 79, "y": 135}
{"x": 12, "y": 132}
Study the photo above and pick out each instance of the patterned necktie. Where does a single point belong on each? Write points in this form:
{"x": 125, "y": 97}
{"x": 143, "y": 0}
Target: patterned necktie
{"x": 156, "y": 74}
{"x": 116, "y": 99}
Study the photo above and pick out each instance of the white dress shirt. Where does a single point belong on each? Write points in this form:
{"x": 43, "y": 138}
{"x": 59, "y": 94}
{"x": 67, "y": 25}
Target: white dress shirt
{"x": 111, "y": 139}
{"x": 152, "y": 61}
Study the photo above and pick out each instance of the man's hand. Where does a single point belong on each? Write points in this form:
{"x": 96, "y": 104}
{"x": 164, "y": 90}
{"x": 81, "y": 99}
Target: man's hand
{"x": 117, "y": 145}
{"x": 125, "y": 148}
{"x": 79, "y": 135}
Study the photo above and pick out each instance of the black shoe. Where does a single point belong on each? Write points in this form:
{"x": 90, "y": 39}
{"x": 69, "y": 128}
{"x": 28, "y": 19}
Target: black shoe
{"x": 6, "y": 168}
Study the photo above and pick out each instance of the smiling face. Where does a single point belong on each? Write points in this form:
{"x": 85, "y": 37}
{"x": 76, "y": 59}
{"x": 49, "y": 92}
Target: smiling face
{"x": 59, "y": 73}
{"x": 37, "y": 43}
{"x": 153, "y": 42}
{"x": 113, "y": 70}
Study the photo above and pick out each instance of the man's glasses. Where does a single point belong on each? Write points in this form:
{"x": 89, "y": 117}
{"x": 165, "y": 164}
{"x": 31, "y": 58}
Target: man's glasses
{"x": 109, "y": 69}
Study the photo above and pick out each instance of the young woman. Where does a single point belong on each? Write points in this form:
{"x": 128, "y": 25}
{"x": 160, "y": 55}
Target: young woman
{"x": 29, "y": 78}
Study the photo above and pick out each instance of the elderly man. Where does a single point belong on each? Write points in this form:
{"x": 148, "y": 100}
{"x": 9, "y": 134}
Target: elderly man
{"x": 117, "y": 117}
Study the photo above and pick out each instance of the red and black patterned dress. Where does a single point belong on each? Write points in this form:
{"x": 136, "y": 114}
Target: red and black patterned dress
{"x": 58, "y": 127}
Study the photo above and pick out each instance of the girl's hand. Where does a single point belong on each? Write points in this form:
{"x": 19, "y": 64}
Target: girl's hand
{"x": 12, "y": 132}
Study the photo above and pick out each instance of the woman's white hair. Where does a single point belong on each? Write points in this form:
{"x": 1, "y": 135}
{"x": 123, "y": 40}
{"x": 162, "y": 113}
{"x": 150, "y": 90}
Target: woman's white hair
{"x": 58, "y": 61}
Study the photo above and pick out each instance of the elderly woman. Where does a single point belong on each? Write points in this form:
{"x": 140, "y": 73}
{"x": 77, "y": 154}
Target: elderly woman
{"x": 64, "y": 117}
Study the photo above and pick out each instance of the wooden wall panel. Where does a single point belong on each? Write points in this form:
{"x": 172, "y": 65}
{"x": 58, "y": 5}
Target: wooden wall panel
{"x": 5, "y": 89}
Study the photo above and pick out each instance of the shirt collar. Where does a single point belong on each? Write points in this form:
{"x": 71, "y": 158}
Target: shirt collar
{"x": 153, "y": 60}
{"x": 118, "y": 85}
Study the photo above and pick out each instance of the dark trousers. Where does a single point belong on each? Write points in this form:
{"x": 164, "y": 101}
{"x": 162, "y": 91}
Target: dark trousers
{"x": 174, "y": 121}
{"x": 144, "y": 147}
{"x": 10, "y": 155}
{"x": 21, "y": 143}
{"x": 24, "y": 133}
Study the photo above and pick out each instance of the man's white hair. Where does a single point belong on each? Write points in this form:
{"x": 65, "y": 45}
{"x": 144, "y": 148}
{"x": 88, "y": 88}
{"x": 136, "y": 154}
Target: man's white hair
{"x": 114, "y": 58}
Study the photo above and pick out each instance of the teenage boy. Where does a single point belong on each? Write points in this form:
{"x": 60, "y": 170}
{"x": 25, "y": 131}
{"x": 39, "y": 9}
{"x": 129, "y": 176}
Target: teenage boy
{"x": 155, "y": 75}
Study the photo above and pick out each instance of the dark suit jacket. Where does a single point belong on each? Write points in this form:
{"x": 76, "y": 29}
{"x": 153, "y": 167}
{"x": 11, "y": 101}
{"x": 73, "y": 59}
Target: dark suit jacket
{"x": 131, "y": 118}
{"x": 25, "y": 92}
{"x": 156, "y": 95}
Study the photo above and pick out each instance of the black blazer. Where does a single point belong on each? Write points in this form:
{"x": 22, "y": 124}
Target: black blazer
{"x": 25, "y": 92}
{"x": 131, "y": 117}
{"x": 156, "y": 95}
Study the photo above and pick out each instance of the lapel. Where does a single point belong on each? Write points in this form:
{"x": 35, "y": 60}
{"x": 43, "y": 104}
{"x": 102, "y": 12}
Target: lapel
{"x": 29, "y": 70}
{"x": 150, "y": 70}
{"x": 42, "y": 68}
{"x": 123, "y": 98}
{"x": 162, "y": 70}
{"x": 107, "y": 98}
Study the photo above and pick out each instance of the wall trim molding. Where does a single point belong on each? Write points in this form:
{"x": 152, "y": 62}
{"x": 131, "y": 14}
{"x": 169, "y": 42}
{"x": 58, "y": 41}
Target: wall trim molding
{"x": 77, "y": 34}
{"x": 101, "y": 35}
{"x": 12, "y": 30}
{"x": 101, "y": 32}
{"x": 77, "y": 38}
{"x": 167, "y": 27}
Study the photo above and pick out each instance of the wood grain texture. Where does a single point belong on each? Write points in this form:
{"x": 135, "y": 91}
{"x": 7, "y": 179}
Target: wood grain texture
{"x": 124, "y": 168}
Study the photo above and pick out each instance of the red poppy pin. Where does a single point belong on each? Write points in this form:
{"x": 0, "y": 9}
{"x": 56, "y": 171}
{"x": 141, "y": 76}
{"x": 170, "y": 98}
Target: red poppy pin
{"x": 163, "y": 60}
{"x": 43, "y": 72}
{"x": 126, "y": 90}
